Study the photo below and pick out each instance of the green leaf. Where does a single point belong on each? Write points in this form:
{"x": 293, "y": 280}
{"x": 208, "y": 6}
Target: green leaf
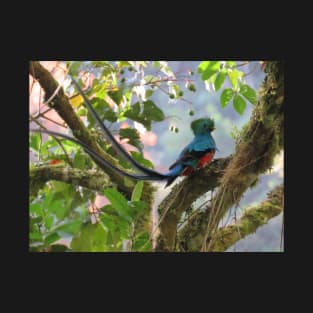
{"x": 35, "y": 141}
{"x": 71, "y": 227}
{"x": 233, "y": 76}
{"x": 36, "y": 208}
{"x": 137, "y": 207}
{"x": 58, "y": 248}
{"x": 116, "y": 96}
{"x": 35, "y": 236}
{"x": 133, "y": 137}
{"x": 140, "y": 159}
{"x": 48, "y": 221}
{"x": 226, "y": 96}
{"x": 103, "y": 109}
{"x": 136, "y": 194}
{"x": 51, "y": 238}
{"x": 220, "y": 78}
{"x": 140, "y": 241}
{"x": 119, "y": 202}
{"x": 91, "y": 238}
{"x": 230, "y": 63}
{"x": 149, "y": 93}
{"x": 79, "y": 161}
{"x": 249, "y": 93}
{"x": 74, "y": 69}
{"x": 151, "y": 111}
{"x": 239, "y": 104}
{"x": 208, "y": 68}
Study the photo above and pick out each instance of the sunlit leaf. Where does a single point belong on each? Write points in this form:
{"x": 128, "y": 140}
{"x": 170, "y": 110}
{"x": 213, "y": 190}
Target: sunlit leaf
{"x": 76, "y": 100}
{"x": 220, "y": 78}
{"x": 208, "y": 68}
{"x": 234, "y": 75}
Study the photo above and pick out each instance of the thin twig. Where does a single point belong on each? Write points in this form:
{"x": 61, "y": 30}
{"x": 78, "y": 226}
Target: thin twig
{"x": 53, "y": 121}
{"x": 56, "y": 139}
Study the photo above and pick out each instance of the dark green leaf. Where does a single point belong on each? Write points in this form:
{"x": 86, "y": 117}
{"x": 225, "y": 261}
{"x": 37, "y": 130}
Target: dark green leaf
{"x": 136, "y": 194}
{"x": 116, "y": 96}
{"x": 220, "y": 78}
{"x": 226, "y": 96}
{"x": 239, "y": 104}
{"x": 208, "y": 68}
{"x": 51, "y": 238}
{"x": 152, "y": 112}
{"x": 134, "y": 114}
{"x": 119, "y": 202}
{"x": 249, "y": 93}
{"x": 58, "y": 248}
{"x": 133, "y": 137}
{"x": 140, "y": 159}
{"x": 138, "y": 207}
{"x": 91, "y": 238}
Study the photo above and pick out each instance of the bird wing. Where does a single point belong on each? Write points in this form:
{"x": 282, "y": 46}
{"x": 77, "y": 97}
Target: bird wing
{"x": 198, "y": 148}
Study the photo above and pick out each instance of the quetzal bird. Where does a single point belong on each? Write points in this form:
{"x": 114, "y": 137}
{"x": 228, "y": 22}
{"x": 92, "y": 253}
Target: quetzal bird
{"x": 199, "y": 152}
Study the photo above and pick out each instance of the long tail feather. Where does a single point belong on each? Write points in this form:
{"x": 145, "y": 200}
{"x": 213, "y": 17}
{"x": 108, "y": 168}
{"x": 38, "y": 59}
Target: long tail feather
{"x": 100, "y": 160}
{"x": 117, "y": 147}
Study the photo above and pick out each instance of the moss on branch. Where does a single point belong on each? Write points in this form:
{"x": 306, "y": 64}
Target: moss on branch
{"x": 191, "y": 236}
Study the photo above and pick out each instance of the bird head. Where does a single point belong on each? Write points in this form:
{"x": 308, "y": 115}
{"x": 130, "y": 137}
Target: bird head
{"x": 202, "y": 126}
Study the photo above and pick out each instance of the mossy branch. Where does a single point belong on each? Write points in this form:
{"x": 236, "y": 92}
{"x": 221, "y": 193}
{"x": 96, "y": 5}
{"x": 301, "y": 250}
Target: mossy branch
{"x": 183, "y": 195}
{"x": 190, "y": 237}
{"x": 260, "y": 143}
{"x": 91, "y": 179}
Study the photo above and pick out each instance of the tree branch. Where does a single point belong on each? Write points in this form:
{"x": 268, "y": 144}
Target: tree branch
{"x": 91, "y": 179}
{"x": 183, "y": 195}
{"x": 262, "y": 139}
{"x": 190, "y": 237}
